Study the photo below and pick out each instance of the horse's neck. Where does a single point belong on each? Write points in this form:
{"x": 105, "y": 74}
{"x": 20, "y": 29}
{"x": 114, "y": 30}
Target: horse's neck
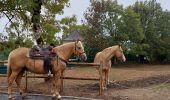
{"x": 108, "y": 53}
{"x": 65, "y": 51}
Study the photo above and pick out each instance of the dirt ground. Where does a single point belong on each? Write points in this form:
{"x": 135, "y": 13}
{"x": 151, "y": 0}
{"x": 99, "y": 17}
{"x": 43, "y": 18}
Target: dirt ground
{"x": 128, "y": 82}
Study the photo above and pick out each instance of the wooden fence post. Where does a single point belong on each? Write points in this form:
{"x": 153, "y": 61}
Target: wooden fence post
{"x": 62, "y": 83}
{"x": 26, "y": 81}
{"x": 101, "y": 79}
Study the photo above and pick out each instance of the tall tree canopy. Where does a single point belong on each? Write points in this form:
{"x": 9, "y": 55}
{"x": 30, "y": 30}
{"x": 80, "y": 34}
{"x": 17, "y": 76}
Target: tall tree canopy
{"x": 154, "y": 22}
{"x": 143, "y": 28}
{"x": 32, "y": 17}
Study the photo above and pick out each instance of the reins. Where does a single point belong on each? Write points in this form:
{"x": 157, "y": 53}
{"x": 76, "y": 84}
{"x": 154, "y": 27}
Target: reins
{"x": 59, "y": 58}
{"x": 65, "y": 61}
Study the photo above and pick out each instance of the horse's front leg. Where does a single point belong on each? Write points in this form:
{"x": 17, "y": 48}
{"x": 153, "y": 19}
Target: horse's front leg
{"x": 61, "y": 79}
{"x": 107, "y": 77}
{"x": 56, "y": 85}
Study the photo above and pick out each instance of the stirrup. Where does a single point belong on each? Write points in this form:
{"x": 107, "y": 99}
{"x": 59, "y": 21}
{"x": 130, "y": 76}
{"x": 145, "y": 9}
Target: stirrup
{"x": 49, "y": 73}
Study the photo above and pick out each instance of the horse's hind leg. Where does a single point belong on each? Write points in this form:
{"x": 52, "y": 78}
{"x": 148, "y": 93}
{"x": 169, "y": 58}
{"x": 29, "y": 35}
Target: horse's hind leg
{"x": 10, "y": 81}
{"x": 18, "y": 81}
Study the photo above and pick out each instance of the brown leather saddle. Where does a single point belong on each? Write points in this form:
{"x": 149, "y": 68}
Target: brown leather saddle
{"x": 44, "y": 54}
{"x": 34, "y": 53}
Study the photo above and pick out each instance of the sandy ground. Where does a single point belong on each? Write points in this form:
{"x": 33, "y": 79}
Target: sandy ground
{"x": 128, "y": 82}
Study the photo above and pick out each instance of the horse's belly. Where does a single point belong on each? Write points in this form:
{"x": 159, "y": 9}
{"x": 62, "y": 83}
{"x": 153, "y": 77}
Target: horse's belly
{"x": 35, "y": 66}
{"x": 37, "y": 71}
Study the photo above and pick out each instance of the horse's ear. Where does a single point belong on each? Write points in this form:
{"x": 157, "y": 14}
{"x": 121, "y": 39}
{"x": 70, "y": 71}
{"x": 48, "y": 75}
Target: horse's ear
{"x": 53, "y": 51}
{"x": 77, "y": 40}
{"x": 119, "y": 44}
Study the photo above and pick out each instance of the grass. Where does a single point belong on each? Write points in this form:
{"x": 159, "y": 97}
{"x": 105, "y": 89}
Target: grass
{"x": 163, "y": 86}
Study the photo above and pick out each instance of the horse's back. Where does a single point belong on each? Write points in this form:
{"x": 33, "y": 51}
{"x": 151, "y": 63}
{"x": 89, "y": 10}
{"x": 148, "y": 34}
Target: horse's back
{"x": 97, "y": 58}
{"x": 20, "y": 51}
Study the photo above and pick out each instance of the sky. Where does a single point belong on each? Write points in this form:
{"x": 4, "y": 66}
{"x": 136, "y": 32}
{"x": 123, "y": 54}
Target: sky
{"x": 78, "y": 7}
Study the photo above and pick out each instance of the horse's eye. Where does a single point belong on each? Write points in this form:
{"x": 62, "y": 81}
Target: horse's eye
{"x": 78, "y": 48}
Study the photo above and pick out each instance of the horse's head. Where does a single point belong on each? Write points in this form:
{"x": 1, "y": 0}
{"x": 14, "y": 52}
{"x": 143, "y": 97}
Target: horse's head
{"x": 79, "y": 50}
{"x": 119, "y": 54}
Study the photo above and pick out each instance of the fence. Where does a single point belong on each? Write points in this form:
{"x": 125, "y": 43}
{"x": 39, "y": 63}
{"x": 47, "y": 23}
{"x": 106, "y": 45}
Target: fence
{"x": 94, "y": 65}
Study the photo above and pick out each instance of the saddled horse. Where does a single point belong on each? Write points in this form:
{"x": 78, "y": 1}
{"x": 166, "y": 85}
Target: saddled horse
{"x": 105, "y": 57}
{"x": 18, "y": 62}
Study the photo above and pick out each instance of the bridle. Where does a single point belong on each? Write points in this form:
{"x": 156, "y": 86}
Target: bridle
{"x": 76, "y": 49}
{"x": 121, "y": 54}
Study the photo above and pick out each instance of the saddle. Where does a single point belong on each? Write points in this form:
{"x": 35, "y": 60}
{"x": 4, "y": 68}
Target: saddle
{"x": 41, "y": 53}
{"x": 44, "y": 54}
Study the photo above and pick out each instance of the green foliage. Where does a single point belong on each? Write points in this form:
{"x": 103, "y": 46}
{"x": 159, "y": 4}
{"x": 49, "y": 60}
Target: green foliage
{"x": 132, "y": 25}
{"x": 143, "y": 28}
{"x": 23, "y": 13}
{"x": 4, "y": 54}
{"x": 152, "y": 18}
{"x": 69, "y": 24}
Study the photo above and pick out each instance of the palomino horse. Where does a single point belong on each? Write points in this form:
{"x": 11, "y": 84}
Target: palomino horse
{"x": 105, "y": 57}
{"x": 18, "y": 62}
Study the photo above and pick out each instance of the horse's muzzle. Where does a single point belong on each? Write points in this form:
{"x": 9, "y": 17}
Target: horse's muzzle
{"x": 83, "y": 57}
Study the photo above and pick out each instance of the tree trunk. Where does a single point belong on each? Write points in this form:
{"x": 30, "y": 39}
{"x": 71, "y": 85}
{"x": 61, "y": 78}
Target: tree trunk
{"x": 36, "y": 18}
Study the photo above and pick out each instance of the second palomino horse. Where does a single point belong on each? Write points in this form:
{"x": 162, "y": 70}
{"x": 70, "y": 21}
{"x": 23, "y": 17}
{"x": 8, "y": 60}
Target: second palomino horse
{"x": 18, "y": 62}
{"x": 105, "y": 57}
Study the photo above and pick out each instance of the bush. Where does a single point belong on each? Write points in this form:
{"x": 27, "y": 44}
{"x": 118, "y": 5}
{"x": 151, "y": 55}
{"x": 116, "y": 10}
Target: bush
{"x": 4, "y": 54}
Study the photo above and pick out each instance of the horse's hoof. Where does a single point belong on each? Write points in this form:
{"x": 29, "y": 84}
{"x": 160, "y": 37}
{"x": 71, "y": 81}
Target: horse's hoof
{"x": 59, "y": 97}
{"x": 11, "y": 98}
{"x": 20, "y": 93}
{"x": 104, "y": 88}
{"x": 24, "y": 95}
{"x": 56, "y": 98}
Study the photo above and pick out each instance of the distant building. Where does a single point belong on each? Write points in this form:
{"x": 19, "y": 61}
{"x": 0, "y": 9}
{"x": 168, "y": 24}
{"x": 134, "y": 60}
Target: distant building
{"x": 73, "y": 36}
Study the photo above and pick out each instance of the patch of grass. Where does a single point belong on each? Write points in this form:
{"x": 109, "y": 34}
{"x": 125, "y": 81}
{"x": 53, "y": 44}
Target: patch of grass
{"x": 162, "y": 87}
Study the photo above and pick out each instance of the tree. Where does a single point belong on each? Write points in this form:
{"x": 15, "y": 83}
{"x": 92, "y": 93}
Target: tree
{"x": 25, "y": 13}
{"x": 68, "y": 25}
{"x": 102, "y": 20}
{"x": 94, "y": 34}
{"x": 131, "y": 26}
{"x": 152, "y": 18}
